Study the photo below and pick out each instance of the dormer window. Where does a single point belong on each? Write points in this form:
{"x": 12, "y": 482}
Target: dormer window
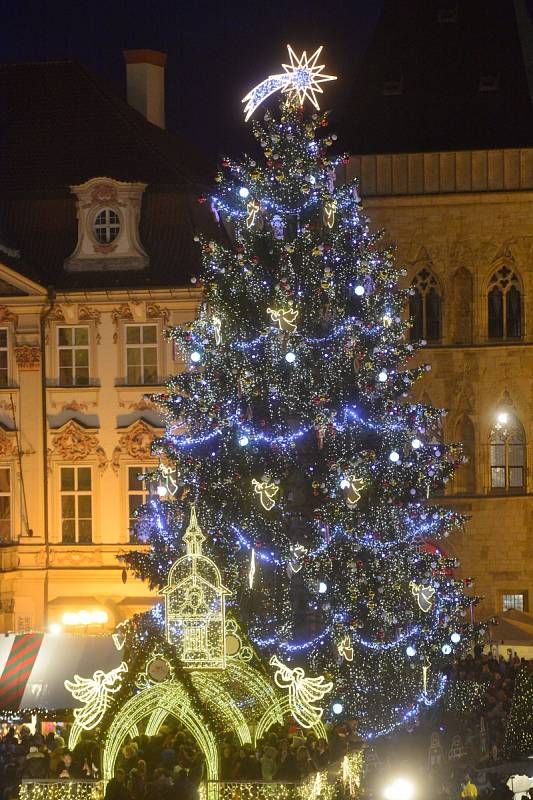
{"x": 109, "y": 213}
{"x": 106, "y": 226}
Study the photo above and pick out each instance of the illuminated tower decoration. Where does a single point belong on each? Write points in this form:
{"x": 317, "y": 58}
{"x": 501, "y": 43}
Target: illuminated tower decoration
{"x": 194, "y": 605}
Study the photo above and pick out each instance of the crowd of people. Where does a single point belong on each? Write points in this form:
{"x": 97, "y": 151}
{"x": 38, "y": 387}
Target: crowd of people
{"x": 170, "y": 765}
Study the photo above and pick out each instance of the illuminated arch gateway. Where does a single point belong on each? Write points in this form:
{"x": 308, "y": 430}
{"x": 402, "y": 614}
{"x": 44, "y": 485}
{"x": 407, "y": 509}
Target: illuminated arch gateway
{"x": 197, "y": 667}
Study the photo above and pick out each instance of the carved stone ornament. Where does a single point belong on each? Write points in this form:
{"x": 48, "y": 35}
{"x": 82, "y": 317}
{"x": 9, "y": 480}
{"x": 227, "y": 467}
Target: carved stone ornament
{"x": 123, "y": 312}
{"x": 28, "y": 356}
{"x": 136, "y": 443}
{"x": 7, "y": 444}
{"x": 87, "y": 313}
{"x": 73, "y": 442}
{"x": 8, "y": 316}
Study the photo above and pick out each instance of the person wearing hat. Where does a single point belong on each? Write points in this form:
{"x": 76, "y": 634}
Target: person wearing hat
{"x": 35, "y": 764}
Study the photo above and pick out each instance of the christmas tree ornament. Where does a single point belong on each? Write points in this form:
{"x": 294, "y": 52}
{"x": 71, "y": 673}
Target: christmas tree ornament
{"x": 330, "y": 207}
{"x": 301, "y": 80}
{"x": 217, "y": 329}
{"x": 304, "y": 692}
{"x": 346, "y": 649}
{"x": 267, "y": 492}
{"x": 284, "y": 318}
{"x": 424, "y": 596}
{"x": 252, "y": 210}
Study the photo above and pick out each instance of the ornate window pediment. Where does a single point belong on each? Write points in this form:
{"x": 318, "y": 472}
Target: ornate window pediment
{"x": 108, "y": 213}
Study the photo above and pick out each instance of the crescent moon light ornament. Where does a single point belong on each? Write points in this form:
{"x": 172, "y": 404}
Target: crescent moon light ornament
{"x": 424, "y": 596}
{"x": 302, "y": 79}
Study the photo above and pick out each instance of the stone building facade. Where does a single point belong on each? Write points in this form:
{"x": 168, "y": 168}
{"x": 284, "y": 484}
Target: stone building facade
{"x": 440, "y": 122}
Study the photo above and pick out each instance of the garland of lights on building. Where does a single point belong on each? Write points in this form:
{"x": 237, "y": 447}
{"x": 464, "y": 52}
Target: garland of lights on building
{"x": 293, "y": 431}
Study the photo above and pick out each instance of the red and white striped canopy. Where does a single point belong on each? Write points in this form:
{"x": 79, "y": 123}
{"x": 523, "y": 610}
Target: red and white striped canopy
{"x": 34, "y": 667}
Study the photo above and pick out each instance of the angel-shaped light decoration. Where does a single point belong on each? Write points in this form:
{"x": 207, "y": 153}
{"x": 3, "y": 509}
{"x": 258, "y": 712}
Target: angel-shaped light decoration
{"x": 345, "y": 648}
{"x": 297, "y": 552}
{"x": 285, "y": 318}
{"x": 304, "y": 693}
{"x": 330, "y": 207}
{"x": 267, "y": 492}
{"x": 353, "y": 487}
{"x": 167, "y": 480}
{"x": 217, "y": 329}
{"x": 252, "y": 210}
{"x": 424, "y": 595}
{"x": 94, "y": 692}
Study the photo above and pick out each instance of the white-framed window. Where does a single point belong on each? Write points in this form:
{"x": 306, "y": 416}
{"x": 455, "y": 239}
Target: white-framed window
{"x": 138, "y": 493}
{"x": 517, "y": 601}
{"x": 142, "y": 362}
{"x": 106, "y": 226}
{"x": 4, "y": 357}
{"x": 76, "y": 505}
{"x": 6, "y": 505}
{"x": 73, "y": 355}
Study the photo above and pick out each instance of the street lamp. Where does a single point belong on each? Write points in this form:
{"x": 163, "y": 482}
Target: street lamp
{"x": 399, "y": 789}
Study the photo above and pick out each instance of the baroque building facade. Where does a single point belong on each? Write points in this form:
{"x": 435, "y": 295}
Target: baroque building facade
{"x": 98, "y": 211}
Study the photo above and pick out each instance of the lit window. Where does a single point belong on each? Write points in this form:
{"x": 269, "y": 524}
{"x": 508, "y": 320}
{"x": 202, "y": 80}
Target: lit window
{"x": 425, "y": 307}
{"x": 505, "y": 305}
{"x": 73, "y": 354}
{"x": 138, "y": 493}
{"x": 76, "y": 505}
{"x": 5, "y": 504}
{"x": 507, "y": 455}
{"x": 4, "y": 371}
{"x": 516, "y": 601}
{"x": 106, "y": 226}
{"x": 141, "y": 354}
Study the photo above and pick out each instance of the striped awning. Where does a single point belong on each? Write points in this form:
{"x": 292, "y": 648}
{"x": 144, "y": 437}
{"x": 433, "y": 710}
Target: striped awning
{"x": 34, "y": 667}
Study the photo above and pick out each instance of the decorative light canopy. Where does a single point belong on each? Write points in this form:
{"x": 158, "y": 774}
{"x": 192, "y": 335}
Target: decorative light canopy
{"x": 301, "y": 79}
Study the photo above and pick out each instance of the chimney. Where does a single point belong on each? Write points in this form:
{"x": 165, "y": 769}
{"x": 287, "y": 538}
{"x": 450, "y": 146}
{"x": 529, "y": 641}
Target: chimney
{"x": 145, "y": 78}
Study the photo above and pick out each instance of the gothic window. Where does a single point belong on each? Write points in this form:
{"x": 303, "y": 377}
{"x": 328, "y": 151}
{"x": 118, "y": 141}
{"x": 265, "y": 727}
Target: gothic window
{"x": 507, "y": 454}
{"x": 505, "y": 305}
{"x": 425, "y": 307}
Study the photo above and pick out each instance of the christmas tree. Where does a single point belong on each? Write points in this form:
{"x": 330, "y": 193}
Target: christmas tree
{"x": 293, "y": 432}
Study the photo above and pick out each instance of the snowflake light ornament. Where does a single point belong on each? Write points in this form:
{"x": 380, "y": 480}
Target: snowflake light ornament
{"x": 301, "y": 79}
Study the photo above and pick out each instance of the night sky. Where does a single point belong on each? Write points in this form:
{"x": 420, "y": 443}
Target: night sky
{"x": 217, "y": 51}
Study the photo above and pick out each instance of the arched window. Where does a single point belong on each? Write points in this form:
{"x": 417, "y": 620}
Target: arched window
{"x": 505, "y": 305}
{"x": 425, "y": 307}
{"x": 507, "y": 454}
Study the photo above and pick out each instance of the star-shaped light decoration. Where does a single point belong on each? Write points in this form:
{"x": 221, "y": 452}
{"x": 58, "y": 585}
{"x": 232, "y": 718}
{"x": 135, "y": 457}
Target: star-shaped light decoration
{"x": 302, "y": 79}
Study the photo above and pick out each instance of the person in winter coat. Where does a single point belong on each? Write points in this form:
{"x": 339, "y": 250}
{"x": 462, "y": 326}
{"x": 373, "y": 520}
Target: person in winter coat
{"x": 35, "y": 764}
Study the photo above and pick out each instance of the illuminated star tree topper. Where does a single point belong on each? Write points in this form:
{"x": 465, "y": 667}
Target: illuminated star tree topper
{"x": 302, "y": 79}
